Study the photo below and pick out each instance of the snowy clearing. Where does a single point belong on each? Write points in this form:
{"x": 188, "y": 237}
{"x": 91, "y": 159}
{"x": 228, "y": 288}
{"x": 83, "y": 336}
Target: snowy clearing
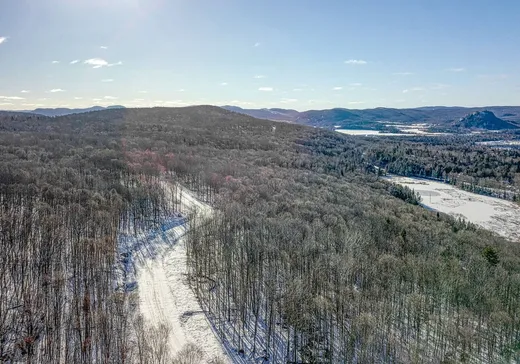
{"x": 165, "y": 296}
{"x": 499, "y": 216}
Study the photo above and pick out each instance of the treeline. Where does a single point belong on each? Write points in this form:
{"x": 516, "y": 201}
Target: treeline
{"x": 310, "y": 257}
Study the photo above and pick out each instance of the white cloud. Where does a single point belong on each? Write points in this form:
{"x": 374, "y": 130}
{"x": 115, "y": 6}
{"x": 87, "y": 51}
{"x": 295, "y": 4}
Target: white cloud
{"x": 5, "y": 103}
{"x": 143, "y": 92}
{"x": 288, "y": 101}
{"x": 257, "y": 44}
{"x": 356, "y": 84}
{"x": 25, "y": 91}
{"x": 181, "y": 90}
{"x": 356, "y": 61}
{"x": 268, "y": 89}
{"x": 36, "y": 105}
{"x": 297, "y": 89}
{"x": 413, "y": 89}
{"x": 96, "y": 62}
{"x": 55, "y": 62}
{"x": 97, "y": 99}
{"x": 403, "y": 73}
{"x": 3, "y": 40}
{"x": 440, "y": 86}
{"x": 110, "y": 98}
{"x": 57, "y": 90}
{"x": 43, "y": 99}
{"x": 99, "y": 62}
{"x": 103, "y": 47}
{"x": 108, "y": 80}
{"x": 338, "y": 88}
{"x": 75, "y": 61}
{"x": 11, "y": 98}
{"x": 78, "y": 98}
{"x": 456, "y": 69}
{"x": 259, "y": 76}
{"x": 224, "y": 84}
{"x": 356, "y": 102}
{"x": 494, "y": 77}
{"x": 138, "y": 100}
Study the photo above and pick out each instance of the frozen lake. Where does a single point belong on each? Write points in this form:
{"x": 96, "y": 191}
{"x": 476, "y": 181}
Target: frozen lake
{"x": 499, "y": 216}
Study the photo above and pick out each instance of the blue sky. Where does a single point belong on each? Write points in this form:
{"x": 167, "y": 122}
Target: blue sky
{"x": 292, "y": 54}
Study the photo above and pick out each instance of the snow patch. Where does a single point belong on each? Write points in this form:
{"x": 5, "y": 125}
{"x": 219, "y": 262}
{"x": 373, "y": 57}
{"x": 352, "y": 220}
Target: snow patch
{"x": 499, "y": 216}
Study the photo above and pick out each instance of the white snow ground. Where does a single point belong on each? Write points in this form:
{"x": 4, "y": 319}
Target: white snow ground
{"x": 499, "y": 216}
{"x": 164, "y": 293}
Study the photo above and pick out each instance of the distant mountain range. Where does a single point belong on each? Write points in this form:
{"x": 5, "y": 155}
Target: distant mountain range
{"x": 382, "y": 118}
{"x": 67, "y": 111}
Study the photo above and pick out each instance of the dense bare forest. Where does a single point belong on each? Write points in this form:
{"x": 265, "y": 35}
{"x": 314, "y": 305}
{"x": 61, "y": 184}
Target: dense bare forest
{"x": 311, "y": 257}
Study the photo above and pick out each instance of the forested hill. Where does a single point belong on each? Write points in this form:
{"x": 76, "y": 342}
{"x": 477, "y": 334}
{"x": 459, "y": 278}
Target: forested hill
{"x": 483, "y": 120}
{"x": 372, "y": 118}
{"x": 331, "y": 263}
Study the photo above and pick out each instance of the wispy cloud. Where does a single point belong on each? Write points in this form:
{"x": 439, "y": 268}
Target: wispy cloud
{"x": 25, "y": 91}
{"x": 97, "y": 100}
{"x": 181, "y": 90}
{"x": 461, "y": 69}
{"x": 75, "y": 61}
{"x": 403, "y": 73}
{"x": 78, "y": 98}
{"x": 356, "y": 102}
{"x": 297, "y": 89}
{"x": 12, "y": 98}
{"x": 496, "y": 77}
{"x": 3, "y": 40}
{"x": 338, "y": 88}
{"x": 54, "y": 90}
{"x": 108, "y": 80}
{"x": 55, "y": 62}
{"x": 176, "y": 102}
{"x": 143, "y": 92}
{"x": 288, "y": 101}
{"x": 413, "y": 89}
{"x": 99, "y": 62}
{"x": 33, "y": 105}
{"x": 356, "y": 61}
{"x": 6, "y": 103}
{"x": 138, "y": 100}
{"x": 257, "y": 44}
{"x": 259, "y": 76}
{"x": 103, "y": 47}
{"x": 224, "y": 84}
{"x": 267, "y": 89}
{"x": 356, "y": 84}
{"x": 110, "y": 98}
{"x": 440, "y": 86}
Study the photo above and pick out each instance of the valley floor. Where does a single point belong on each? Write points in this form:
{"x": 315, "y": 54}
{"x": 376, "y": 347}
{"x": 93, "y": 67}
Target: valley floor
{"x": 499, "y": 216}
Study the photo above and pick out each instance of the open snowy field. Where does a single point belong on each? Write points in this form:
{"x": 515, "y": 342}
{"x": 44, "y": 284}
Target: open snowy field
{"x": 499, "y": 216}
{"x": 165, "y": 296}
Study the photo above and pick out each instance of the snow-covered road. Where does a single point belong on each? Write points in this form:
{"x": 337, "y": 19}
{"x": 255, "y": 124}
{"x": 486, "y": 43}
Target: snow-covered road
{"x": 165, "y": 296}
